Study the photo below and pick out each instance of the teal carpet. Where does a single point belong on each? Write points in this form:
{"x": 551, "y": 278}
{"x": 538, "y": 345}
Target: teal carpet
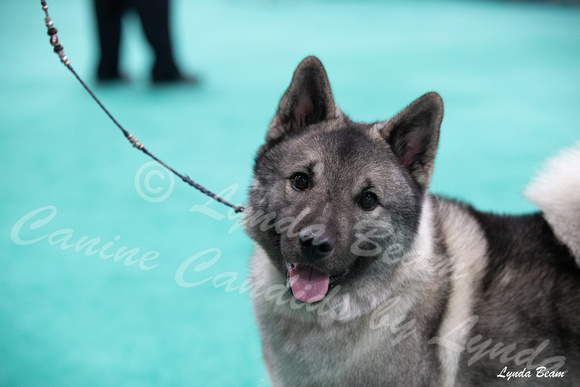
{"x": 103, "y": 258}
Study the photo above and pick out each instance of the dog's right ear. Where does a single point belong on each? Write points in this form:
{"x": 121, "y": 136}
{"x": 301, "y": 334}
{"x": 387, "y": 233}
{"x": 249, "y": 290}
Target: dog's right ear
{"x": 308, "y": 100}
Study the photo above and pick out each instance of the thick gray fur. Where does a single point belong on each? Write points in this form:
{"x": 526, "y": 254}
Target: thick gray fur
{"x": 427, "y": 291}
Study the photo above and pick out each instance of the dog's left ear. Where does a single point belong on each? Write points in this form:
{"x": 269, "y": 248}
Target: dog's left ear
{"x": 308, "y": 100}
{"x": 413, "y": 135}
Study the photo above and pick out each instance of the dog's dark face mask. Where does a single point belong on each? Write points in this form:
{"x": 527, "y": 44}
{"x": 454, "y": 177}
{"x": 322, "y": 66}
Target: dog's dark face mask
{"x": 330, "y": 196}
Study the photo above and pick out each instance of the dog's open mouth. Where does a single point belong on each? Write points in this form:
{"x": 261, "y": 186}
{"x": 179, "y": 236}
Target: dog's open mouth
{"x": 309, "y": 284}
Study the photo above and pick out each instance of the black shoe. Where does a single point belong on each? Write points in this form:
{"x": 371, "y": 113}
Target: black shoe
{"x": 112, "y": 78}
{"x": 175, "y": 79}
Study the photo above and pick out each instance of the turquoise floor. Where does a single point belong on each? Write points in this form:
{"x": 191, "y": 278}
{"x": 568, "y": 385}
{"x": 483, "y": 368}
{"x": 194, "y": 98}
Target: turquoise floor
{"x": 170, "y": 312}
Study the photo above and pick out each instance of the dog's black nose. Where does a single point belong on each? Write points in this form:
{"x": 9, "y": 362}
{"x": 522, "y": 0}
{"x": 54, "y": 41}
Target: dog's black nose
{"x": 316, "y": 244}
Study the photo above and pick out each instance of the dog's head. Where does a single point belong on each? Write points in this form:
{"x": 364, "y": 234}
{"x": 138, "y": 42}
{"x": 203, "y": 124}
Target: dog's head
{"x": 332, "y": 198}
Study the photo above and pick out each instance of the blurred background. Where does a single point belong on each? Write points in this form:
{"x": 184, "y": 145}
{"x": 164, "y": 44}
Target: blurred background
{"x": 114, "y": 273}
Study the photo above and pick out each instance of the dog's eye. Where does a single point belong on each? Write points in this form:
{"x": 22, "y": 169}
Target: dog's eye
{"x": 300, "y": 181}
{"x": 368, "y": 201}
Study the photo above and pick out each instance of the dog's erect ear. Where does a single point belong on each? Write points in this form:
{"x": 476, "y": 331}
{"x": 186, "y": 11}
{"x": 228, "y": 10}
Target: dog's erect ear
{"x": 307, "y": 100}
{"x": 413, "y": 135}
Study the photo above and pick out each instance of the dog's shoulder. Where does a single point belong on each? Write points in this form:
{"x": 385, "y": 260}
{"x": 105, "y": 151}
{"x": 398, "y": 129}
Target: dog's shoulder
{"x": 514, "y": 285}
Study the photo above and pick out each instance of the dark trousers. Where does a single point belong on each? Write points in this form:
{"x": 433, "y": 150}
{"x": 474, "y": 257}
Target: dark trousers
{"x": 154, "y": 16}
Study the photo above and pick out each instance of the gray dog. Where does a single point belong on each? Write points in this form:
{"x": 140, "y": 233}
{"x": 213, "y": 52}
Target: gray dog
{"x": 361, "y": 277}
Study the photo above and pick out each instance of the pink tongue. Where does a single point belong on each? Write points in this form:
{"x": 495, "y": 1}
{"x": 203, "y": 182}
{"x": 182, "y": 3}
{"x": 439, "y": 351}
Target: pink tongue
{"x": 307, "y": 283}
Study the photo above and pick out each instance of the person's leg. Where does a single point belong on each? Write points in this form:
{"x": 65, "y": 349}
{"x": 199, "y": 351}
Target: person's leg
{"x": 108, "y": 14}
{"x": 154, "y": 15}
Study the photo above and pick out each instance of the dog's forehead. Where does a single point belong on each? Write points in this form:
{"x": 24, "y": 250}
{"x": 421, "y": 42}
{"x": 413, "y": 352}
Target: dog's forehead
{"x": 344, "y": 145}
{"x": 347, "y": 155}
